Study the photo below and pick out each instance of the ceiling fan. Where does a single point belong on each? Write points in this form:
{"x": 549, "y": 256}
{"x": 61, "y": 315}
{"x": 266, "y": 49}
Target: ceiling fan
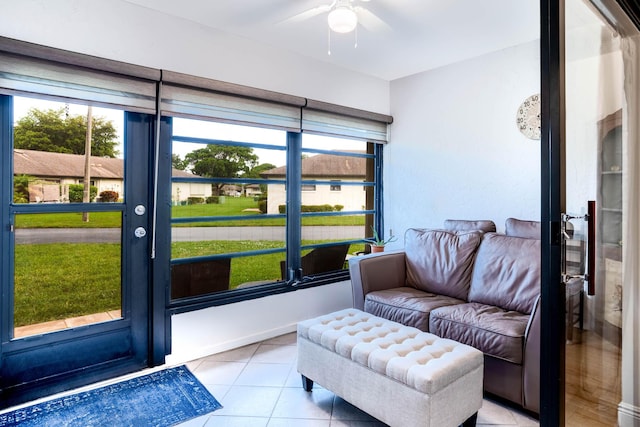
{"x": 343, "y": 16}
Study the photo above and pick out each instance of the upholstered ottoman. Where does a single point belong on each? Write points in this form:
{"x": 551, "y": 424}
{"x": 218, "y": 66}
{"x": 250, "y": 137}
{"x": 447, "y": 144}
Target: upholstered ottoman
{"x": 398, "y": 374}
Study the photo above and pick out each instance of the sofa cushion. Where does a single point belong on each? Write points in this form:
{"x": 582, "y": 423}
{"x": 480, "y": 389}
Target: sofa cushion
{"x": 486, "y": 226}
{"x": 506, "y": 273}
{"x": 440, "y": 261}
{"x": 520, "y": 228}
{"x": 494, "y": 331}
{"x": 406, "y": 305}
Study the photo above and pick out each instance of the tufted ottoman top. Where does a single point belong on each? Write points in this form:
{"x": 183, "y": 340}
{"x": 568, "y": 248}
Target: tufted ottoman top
{"x": 420, "y": 360}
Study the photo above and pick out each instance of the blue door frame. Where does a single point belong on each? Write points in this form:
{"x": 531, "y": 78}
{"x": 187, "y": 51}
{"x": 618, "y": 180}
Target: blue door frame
{"x": 39, "y": 365}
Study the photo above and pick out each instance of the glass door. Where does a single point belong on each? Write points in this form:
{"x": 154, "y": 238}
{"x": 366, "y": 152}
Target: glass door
{"x": 595, "y": 169}
{"x": 75, "y": 210}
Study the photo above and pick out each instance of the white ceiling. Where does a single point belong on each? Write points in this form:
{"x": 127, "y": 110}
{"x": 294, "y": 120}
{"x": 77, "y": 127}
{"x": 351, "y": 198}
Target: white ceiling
{"x": 421, "y": 34}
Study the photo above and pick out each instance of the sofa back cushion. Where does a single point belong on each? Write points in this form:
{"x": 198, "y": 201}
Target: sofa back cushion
{"x": 521, "y": 228}
{"x": 440, "y": 261}
{"x": 484, "y": 225}
{"x": 506, "y": 273}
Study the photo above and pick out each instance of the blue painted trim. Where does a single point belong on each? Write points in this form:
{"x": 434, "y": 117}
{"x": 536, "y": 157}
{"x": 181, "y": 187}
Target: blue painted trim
{"x": 378, "y": 195}
{"x": 294, "y": 205}
{"x": 337, "y": 153}
{"x": 187, "y": 220}
{"x": 228, "y": 180}
{"x": 24, "y": 208}
{"x": 324, "y": 245}
{"x": 226, "y": 255}
{"x": 6, "y": 192}
{"x": 162, "y": 263}
{"x": 337, "y": 182}
{"x": 341, "y": 213}
{"x": 207, "y": 141}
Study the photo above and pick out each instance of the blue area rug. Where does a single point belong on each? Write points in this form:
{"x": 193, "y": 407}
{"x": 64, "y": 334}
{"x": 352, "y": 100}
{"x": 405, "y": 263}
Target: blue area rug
{"x": 162, "y": 398}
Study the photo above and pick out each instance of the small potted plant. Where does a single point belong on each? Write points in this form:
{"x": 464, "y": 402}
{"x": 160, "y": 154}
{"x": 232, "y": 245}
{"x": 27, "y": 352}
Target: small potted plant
{"x": 377, "y": 244}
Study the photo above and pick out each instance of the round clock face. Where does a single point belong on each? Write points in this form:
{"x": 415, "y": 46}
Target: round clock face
{"x": 528, "y": 117}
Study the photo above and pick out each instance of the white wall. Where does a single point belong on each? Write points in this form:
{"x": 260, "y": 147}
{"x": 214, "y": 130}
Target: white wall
{"x": 125, "y": 32}
{"x": 234, "y": 325}
{"x": 455, "y": 150}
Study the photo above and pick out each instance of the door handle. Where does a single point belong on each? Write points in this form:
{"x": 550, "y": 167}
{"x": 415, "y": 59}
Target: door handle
{"x": 591, "y": 247}
{"x": 589, "y": 275}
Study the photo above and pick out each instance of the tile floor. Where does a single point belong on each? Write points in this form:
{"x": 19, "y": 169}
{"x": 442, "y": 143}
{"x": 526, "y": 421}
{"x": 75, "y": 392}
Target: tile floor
{"x": 258, "y": 385}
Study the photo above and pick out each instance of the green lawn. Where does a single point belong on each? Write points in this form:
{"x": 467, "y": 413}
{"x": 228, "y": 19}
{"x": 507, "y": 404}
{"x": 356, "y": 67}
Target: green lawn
{"x": 62, "y": 280}
{"x": 233, "y": 206}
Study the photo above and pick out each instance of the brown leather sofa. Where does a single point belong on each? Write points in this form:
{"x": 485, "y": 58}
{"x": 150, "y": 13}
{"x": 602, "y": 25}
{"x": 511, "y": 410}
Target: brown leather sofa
{"x": 469, "y": 284}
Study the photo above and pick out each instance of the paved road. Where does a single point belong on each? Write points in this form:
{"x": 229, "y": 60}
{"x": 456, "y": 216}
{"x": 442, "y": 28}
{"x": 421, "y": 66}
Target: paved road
{"x": 184, "y": 234}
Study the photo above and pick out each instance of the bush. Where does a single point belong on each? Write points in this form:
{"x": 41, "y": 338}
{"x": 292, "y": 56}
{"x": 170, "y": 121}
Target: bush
{"x": 109, "y": 196}
{"x": 76, "y": 191}
{"x": 195, "y": 200}
{"x": 317, "y": 208}
{"x": 21, "y": 188}
{"x": 213, "y": 200}
{"x": 262, "y": 205}
{"x": 313, "y": 208}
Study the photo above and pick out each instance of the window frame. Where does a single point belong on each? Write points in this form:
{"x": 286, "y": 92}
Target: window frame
{"x": 293, "y": 246}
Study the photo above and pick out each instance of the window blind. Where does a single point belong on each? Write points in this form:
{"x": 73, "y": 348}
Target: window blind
{"x": 195, "y": 97}
{"x": 26, "y": 68}
{"x": 328, "y": 119}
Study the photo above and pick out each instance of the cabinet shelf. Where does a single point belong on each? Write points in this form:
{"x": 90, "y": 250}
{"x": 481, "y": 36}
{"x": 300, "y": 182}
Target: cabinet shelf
{"x": 609, "y": 217}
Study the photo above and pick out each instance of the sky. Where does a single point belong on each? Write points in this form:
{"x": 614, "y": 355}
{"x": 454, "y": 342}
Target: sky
{"x": 200, "y": 129}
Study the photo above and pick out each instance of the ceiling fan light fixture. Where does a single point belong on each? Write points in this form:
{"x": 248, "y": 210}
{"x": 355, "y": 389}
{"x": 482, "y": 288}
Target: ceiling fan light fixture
{"x": 342, "y": 19}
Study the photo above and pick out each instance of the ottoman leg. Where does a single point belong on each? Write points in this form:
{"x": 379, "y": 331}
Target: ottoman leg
{"x": 307, "y": 384}
{"x": 471, "y": 421}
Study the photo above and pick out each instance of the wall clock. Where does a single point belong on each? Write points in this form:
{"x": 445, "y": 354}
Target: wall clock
{"x": 528, "y": 117}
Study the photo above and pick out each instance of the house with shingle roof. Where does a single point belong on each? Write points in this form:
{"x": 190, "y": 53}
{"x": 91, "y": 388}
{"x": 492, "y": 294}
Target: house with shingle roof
{"x": 323, "y": 167}
{"x": 54, "y": 172}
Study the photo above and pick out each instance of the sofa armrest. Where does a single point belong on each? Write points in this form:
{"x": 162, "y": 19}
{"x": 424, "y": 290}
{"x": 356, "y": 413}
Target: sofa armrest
{"x": 376, "y": 272}
{"x": 531, "y": 368}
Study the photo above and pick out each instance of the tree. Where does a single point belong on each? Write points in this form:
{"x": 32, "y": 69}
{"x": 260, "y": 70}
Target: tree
{"x": 54, "y": 131}
{"x": 178, "y": 163}
{"x": 221, "y": 161}
{"x": 256, "y": 171}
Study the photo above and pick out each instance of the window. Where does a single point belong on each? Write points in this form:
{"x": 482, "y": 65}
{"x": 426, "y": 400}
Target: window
{"x": 227, "y": 228}
{"x": 234, "y": 230}
{"x": 73, "y": 273}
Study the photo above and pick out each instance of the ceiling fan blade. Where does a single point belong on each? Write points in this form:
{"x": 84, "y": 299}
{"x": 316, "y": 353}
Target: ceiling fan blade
{"x": 307, "y": 14}
{"x": 370, "y": 20}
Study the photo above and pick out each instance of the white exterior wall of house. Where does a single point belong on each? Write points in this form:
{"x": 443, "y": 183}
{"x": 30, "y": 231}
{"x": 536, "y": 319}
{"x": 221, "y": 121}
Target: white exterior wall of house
{"x": 110, "y": 185}
{"x": 181, "y": 191}
{"x": 251, "y": 191}
{"x": 351, "y": 197}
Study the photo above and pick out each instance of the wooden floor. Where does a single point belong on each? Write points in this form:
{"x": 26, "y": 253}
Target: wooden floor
{"x": 593, "y": 381}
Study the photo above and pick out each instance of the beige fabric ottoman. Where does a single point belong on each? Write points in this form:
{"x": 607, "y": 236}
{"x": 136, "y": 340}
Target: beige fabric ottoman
{"x": 398, "y": 374}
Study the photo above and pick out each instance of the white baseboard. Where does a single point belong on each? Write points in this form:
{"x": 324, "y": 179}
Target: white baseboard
{"x": 174, "y": 359}
{"x": 628, "y": 415}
